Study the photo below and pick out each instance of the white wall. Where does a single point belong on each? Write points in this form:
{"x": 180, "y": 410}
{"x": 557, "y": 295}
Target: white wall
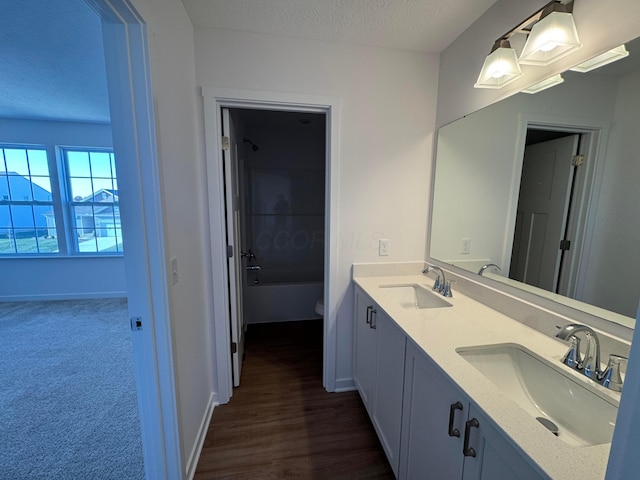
{"x": 57, "y": 278}
{"x": 180, "y": 151}
{"x": 606, "y": 26}
{"x": 614, "y": 240}
{"x": 387, "y": 120}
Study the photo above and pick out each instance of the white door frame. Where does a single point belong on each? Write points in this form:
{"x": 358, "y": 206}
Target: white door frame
{"x": 214, "y": 100}
{"x": 132, "y": 124}
{"x": 582, "y": 220}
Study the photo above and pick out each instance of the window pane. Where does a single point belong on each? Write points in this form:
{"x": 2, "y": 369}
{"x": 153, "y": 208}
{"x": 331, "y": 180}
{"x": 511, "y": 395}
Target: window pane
{"x": 20, "y": 189}
{"x": 47, "y": 244}
{"x": 113, "y": 163}
{"x": 103, "y": 184}
{"x": 16, "y": 161}
{"x": 4, "y": 187}
{"x": 86, "y": 244}
{"x": 100, "y": 164}
{"x": 49, "y": 218}
{"x": 5, "y": 221}
{"x": 38, "y": 163}
{"x": 96, "y": 220}
{"x": 7, "y": 244}
{"x": 85, "y": 229}
{"x": 78, "y": 163}
{"x": 44, "y": 218}
{"x": 83, "y": 219}
{"x": 80, "y": 188}
{"x": 106, "y": 229}
{"x": 22, "y": 216}
{"x": 41, "y": 189}
{"x": 26, "y": 242}
{"x": 26, "y": 227}
{"x": 119, "y": 237}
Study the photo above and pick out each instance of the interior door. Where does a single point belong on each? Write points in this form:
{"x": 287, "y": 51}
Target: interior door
{"x": 545, "y": 190}
{"x": 232, "y": 200}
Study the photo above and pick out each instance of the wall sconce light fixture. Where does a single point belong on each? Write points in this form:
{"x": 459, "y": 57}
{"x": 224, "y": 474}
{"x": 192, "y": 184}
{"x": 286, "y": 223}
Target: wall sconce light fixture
{"x": 500, "y": 67}
{"x": 603, "y": 59}
{"x": 543, "y": 85}
{"x": 551, "y": 35}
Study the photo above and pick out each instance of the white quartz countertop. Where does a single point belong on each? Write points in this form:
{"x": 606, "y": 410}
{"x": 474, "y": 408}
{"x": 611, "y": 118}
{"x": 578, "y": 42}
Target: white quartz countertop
{"x": 440, "y": 331}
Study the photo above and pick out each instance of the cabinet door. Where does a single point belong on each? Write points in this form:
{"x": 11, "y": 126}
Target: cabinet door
{"x": 429, "y": 451}
{"x": 495, "y": 457}
{"x": 387, "y": 402}
{"x": 364, "y": 362}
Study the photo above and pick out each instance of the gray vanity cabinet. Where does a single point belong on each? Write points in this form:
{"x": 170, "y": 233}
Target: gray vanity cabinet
{"x": 378, "y": 372}
{"x": 445, "y": 436}
{"x": 387, "y": 400}
{"x": 495, "y": 456}
{"x": 428, "y": 451}
{"x": 365, "y": 346}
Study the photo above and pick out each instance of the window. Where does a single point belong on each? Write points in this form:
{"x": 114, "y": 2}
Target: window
{"x": 93, "y": 201}
{"x": 25, "y": 202}
{"x": 77, "y": 213}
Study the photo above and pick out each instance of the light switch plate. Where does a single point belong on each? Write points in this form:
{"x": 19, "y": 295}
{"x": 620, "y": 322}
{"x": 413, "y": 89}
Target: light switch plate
{"x": 383, "y": 247}
{"x": 465, "y": 246}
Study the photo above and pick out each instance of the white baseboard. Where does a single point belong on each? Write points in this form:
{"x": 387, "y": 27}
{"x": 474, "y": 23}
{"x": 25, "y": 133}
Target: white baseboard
{"x": 345, "y": 385}
{"x": 61, "y": 296}
{"x": 194, "y": 457}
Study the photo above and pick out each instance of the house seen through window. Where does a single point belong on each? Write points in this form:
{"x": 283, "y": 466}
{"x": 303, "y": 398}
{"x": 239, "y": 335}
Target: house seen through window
{"x": 77, "y": 214}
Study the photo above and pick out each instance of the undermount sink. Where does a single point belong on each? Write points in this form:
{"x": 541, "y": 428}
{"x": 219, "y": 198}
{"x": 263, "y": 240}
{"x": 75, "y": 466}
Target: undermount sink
{"x": 412, "y": 295}
{"x": 574, "y": 410}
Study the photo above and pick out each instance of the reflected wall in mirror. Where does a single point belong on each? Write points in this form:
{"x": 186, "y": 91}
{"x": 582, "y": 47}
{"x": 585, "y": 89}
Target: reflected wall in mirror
{"x": 506, "y": 191}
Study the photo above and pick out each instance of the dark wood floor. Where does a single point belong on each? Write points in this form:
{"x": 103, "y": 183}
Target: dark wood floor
{"x": 281, "y": 423}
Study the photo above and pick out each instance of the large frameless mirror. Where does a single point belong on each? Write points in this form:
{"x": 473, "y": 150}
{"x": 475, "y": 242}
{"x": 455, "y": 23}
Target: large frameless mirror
{"x": 540, "y": 191}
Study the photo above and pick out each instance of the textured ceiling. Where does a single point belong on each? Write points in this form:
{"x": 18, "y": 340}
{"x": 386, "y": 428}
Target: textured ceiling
{"x": 52, "y": 61}
{"x": 416, "y": 25}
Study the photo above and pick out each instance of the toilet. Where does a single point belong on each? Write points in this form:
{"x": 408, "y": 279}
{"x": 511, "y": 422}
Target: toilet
{"x": 320, "y": 307}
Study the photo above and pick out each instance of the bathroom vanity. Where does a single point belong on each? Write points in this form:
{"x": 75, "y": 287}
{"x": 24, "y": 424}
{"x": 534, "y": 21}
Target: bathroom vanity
{"x": 456, "y": 389}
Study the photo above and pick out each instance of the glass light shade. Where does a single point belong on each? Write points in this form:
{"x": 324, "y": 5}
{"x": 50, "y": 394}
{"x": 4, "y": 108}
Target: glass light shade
{"x": 500, "y": 68}
{"x": 603, "y": 59}
{"x": 543, "y": 85}
{"x": 552, "y": 38}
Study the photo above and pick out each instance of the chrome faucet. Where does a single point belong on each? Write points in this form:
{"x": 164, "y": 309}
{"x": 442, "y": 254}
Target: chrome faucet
{"x": 590, "y": 364}
{"x": 611, "y": 377}
{"x": 487, "y": 265}
{"x": 440, "y": 285}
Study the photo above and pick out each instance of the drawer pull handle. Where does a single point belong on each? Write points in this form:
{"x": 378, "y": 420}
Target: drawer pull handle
{"x": 454, "y": 432}
{"x": 467, "y": 450}
{"x": 374, "y": 316}
{"x": 369, "y": 308}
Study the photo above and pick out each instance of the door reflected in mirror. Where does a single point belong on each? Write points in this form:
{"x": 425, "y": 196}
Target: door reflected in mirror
{"x": 545, "y": 187}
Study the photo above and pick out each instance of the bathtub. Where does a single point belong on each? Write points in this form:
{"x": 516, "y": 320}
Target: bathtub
{"x": 281, "y": 302}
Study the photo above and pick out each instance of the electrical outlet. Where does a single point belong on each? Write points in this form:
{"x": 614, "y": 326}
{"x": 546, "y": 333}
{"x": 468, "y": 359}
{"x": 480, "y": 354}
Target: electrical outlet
{"x": 465, "y": 246}
{"x": 174, "y": 270}
{"x": 383, "y": 247}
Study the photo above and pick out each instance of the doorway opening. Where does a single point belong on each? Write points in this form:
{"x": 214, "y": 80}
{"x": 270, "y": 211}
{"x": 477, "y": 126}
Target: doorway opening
{"x": 275, "y": 170}
{"x": 70, "y": 402}
{"x": 216, "y": 100}
{"x": 555, "y": 190}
